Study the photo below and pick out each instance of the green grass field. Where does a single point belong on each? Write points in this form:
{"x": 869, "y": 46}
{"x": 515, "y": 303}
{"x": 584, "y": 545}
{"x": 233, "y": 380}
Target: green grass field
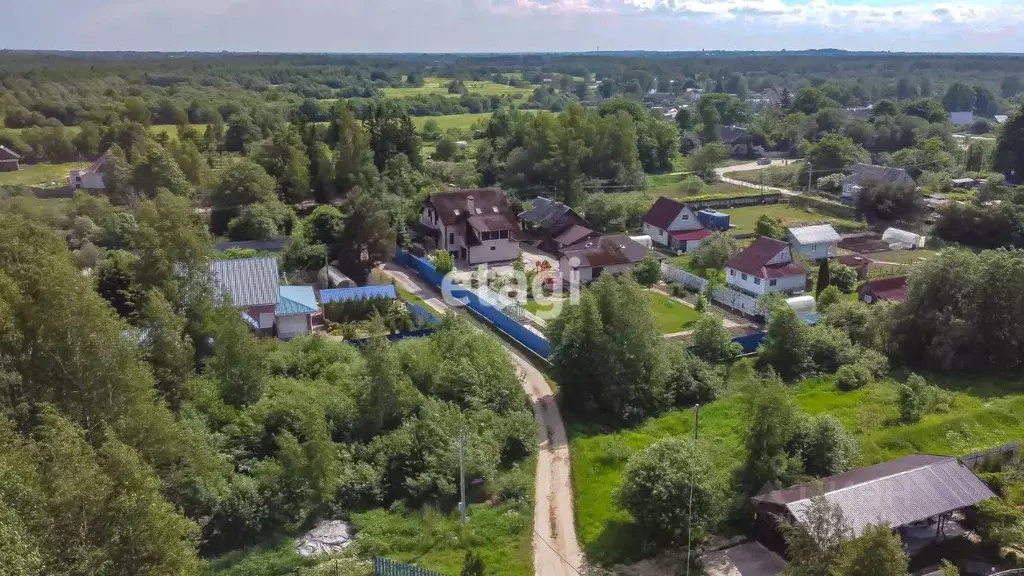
{"x": 671, "y": 185}
{"x": 39, "y": 174}
{"x": 671, "y": 316}
{"x": 437, "y": 85}
{"x": 460, "y": 121}
{"x": 903, "y": 256}
{"x": 162, "y": 129}
{"x": 986, "y": 413}
{"x": 744, "y": 218}
{"x": 778, "y": 176}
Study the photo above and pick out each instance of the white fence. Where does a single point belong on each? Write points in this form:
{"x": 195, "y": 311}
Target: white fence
{"x": 683, "y": 277}
{"x": 724, "y": 296}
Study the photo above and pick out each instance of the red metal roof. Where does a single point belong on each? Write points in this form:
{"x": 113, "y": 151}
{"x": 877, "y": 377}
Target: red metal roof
{"x": 690, "y": 235}
{"x": 893, "y": 289}
{"x": 663, "y": 212}
{"x": 754, "y": 260}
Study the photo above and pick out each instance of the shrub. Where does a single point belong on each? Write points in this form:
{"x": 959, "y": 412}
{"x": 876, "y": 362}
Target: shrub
{"x": 443, "y": 262}
{"x": 832, "y": 184}
{"x": 1000, "y": 524}
{"x": 842, "y": 277}
{"x": 648, "y": 271}
{"x": 876, "y": 364}
{"x": 827, "y": 447}
{"x": 852, "y": 377}
{"x": 692, "y": 380}
{"x": 656, "y": 490}
{"x": 830, "y": 348}
{"x": 691, "y": 186}
{"x": 913, "y": 399}
{"x": 829, "y": 296}
{"x": 715, "y": 251}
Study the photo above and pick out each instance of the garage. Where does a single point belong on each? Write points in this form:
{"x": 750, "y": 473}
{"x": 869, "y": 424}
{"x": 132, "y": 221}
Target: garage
{"x": 295, "y": 311}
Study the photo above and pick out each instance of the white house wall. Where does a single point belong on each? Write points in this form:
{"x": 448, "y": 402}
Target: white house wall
{"x": 759, "y": 286}
{"x": 658, "y": 235}
{"x": 685, "y": 220}
{"x": 586, "y": 273}
{"x": 784, "y": 256}
{"x": 500, "y": 250}
{"x": 813, "y": 251}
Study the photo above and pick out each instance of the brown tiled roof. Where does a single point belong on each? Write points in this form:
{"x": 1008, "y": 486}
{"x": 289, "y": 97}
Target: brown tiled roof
{"x": 573, "y": 235}
{"x": 663, "y": 212}
{"x": 606, "y": 251}
{"x": 491, "y": 222}
{"x": 754, "y": 260}
{"x": 453, "y": 207}
{"x": 893, "y": 289}
{"x": 853, "y": 261}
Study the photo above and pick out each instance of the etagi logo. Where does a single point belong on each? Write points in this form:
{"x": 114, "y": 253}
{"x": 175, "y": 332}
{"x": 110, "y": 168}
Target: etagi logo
{"x": 506, "y": 288}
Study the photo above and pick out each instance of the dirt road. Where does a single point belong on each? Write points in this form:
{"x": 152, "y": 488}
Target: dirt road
{"x": 556, "y": 550}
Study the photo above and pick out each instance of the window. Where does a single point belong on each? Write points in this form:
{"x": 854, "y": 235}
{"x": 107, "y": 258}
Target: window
{"x": 451, "y": 238}
{"x": 492, "y": 248}
{"x": 686, "y": 216}
{"x": 485, "y": 235}
{"x": 757, "y": 281}
{"x": 773, "y": 282}
{"x": 503, "y": 234}
{"x": 732, "y": 272}
{"x": 744, "y": 276}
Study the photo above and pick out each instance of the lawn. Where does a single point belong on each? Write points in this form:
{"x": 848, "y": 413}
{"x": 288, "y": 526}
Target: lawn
{"x": 462, "y": 122}
{"x": 161, "y": 129}
{"x": 437, "y": 85}
{"x": 671, "y": 315}
{"x": 986, "y": 413}
{"x": 777, "y": 176}
{"x": 671, "y": 185}
{"x": 743, "y": 219}
{"x": 39, "y": 174}
{"x": 903, "y": 256}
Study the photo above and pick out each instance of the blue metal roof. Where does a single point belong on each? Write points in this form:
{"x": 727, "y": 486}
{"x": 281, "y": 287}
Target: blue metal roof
{"x": 810, "y": 318}
{"x": 360, "y": 293}
{"x": 297, "y": 300}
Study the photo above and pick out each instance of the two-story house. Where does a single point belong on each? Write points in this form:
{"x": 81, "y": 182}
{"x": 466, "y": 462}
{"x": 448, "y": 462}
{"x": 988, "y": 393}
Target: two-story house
{"x": 673, "y": 224}
{"x": 474, "y": 226}
{"x": 765, "y": 266}
{"x": 814, "y": 242}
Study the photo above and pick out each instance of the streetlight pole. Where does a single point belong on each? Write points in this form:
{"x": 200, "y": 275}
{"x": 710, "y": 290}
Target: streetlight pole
{"x": 689, "y": 515}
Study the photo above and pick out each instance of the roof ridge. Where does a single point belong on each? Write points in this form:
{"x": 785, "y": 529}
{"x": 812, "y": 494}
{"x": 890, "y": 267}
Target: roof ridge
{"x": 880, "y": 478}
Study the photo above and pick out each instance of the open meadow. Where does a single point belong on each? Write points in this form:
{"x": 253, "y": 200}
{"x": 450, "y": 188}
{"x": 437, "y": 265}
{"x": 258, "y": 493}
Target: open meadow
{"x": 40, "y": 174}
{"x": 437, "y": 85}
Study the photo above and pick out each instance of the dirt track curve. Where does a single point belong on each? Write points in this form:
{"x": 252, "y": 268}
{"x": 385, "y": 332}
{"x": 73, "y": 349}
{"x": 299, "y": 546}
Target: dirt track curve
{"x": 556, "y": 550}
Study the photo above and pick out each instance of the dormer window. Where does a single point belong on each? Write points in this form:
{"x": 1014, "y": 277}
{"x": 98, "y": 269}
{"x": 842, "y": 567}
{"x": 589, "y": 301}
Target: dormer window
{"x": 456, "y": 211}
{"x": 495, "y": 209}
{"x": 478, "y": 211}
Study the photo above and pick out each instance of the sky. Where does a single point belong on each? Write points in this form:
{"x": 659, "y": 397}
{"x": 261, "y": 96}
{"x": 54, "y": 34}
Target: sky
{"x": 512, "y": 25}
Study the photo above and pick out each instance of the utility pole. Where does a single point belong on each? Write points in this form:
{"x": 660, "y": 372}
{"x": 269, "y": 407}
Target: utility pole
{"x": 462, "y": 474}
{"x": 689, "y": 515}
{"x": 810, "y": 176}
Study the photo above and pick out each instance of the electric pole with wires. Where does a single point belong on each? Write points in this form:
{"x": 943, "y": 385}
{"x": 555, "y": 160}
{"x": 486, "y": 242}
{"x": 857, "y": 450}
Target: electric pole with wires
{"x": 689, "y": 515}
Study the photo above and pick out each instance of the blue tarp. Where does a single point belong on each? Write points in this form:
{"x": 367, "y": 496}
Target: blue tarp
{"x": 359, "y": 293}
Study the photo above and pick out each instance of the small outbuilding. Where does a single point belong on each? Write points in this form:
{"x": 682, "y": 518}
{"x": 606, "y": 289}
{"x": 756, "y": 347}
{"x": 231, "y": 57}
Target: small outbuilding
{"x": 814, "y": 242}
{"x": 892, "y": 289}
{"x": 295, "y": 311}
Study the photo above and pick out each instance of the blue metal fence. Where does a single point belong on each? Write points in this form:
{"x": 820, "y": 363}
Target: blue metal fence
{"x": 499, "y": 319}
{"x": 385, "y": 567}
{"x": 751, "y": 342}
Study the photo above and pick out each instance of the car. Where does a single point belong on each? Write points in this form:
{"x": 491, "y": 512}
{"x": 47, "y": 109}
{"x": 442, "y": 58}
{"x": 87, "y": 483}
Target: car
{"x": 764, "y": 161}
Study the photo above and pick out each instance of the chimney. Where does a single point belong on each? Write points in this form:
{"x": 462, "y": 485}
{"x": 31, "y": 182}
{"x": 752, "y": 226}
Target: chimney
{"x": 469, "y": 205}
